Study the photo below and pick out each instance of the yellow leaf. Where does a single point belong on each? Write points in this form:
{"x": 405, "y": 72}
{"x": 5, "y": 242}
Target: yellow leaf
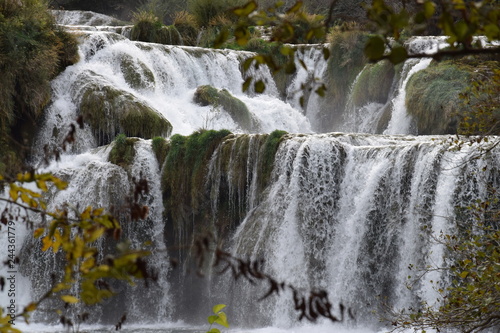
{"x": 69, "y": 299}
{"x": 47, "y": 242}
{"x": 13, "y": 192}
{"x": 86, "y": 213}
{"x": 38, "y": 232}
{"x": 87, "y": 265}
{"x": 42, "y": 185}
{"x": 95, "y": 235}
{"x": 25, "y": 198}
{"x": 30, "y": 307}
{"x": 78, "y": 247}
{"x": 61, "y": 185}
{"x": 103, "y": 268}
{"x": 58, "y": 241}
{"x": 60, "y": 286}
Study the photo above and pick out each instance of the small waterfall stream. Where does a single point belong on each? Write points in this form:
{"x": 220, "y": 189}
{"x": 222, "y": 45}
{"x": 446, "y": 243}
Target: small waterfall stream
{"x": 344, "y": 212}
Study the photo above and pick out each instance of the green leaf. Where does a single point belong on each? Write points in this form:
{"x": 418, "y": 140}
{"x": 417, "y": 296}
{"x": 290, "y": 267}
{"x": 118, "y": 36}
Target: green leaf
{"x": 287, "y": 50}
{"x": 429, "y": 9}
{"x": 218, "y": 308}
{"x": 69, "y": 299}
{"x": 242, "y": 35}
{"x": 222, "y": 320}
{"x": 246, "y": 9}
{"x": 464, "y": 274}
{"x": 461, "y": 30}
{"x": 326, "y": 53}
{"x": 221, "y": 38}
{"x": 246, "y": 84}
{"x": 398, "y": 55}
{"x": 211, "y": 319}
{"x": 295, "y": 8}
{"x": 259, "y": 86}
{"x": 214, "y": 330}
{"x": 375, "y": 48}
{"x": 247, "y": 63}
{"x": 290, "y": 68}
{"x": 321, "y": 90}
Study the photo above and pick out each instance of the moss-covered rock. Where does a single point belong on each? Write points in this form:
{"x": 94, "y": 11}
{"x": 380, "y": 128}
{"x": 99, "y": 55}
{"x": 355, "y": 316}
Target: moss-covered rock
{"x": 433, "y": 96}
{"x": 136, "y": 73}
{"x": 122, "y": 152}
{"x": 373, "y": 83}
{"x": 208, "y": 95}
{"x": 152, "y": 31}
{"x": 183, "y": 176}
{"x": 270, "y": 148}
{"x": 110, "y": 111}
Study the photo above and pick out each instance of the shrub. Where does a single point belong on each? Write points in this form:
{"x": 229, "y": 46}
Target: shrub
{"x": 186, "y": 25}
{"x": 146, "y": 26}
{"x": 206, "y": 10}
{"x": 304, "y": 25}
{"x": 32, "y": 51}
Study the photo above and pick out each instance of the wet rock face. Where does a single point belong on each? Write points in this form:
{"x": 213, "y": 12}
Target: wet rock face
{"x": 207, "y": 95}
{"x": 110, "y": 111}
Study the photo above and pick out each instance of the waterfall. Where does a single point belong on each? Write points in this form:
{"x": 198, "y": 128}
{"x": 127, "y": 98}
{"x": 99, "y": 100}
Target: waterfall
{"x": 350, "y": 213}
{"x": 400, "y": 122}
{"x": 93, "y": 181}
{"x": 115, "y": 73}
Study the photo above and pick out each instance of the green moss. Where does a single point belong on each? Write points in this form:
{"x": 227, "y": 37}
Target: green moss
{"x": 269, "y": 150}
{"x": 373, "y": 84}
{"x": 149, "y": 29}
{"x": 136, "y": 73}
{"x": 184, "y": 172}
{"x": 146, "y": 29}
{"x": 432, "y": 96}
{"x": 208, "y": 95}
{"x": 160, "y": 148}
{"x": 111, "y": 111}
{"x": 123, "y": 151}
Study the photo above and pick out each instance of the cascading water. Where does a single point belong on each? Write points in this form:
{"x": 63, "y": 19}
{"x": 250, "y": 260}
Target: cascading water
{"x": 347, "y": 213}
{"x": 96, "y": 182}
{"x": 350, "y": 214}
